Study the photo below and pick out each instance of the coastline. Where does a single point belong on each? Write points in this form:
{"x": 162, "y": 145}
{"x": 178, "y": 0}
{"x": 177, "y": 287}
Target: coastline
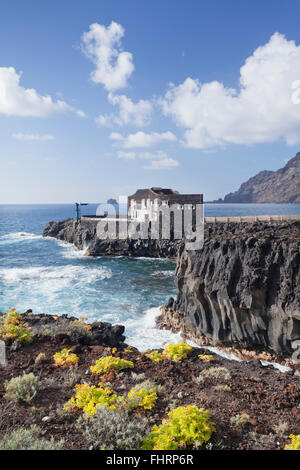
{"x": 268, "y": 395}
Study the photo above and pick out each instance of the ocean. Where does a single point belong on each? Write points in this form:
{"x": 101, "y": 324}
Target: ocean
{"x": 50, "y": 276}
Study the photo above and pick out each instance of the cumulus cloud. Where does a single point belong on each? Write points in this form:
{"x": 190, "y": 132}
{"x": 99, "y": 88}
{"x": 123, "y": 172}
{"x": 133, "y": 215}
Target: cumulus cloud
{"x": 18, "y": 101}
{"x": 141, "y": 139}
{"x": 129, "y": 112}
{"x": 126, "y": 155}
{"x": 260, "y": 110}
{"x": 159, "y": 160}
{"x": 37, "y": 137}
{"x": 103, "y": 46}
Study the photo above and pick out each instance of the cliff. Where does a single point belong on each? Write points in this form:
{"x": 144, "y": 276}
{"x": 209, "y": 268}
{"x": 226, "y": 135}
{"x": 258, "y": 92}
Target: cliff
{"x": 83, "y": 235}
{"x": 281, "y": 186}
{"x": 242, "y": 288}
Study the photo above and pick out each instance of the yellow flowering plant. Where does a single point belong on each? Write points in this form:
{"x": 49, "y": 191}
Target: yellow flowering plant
{"x": 65, "y": 358}
{"x": 109, "y": 363}
{"x": 294, "y": 444}
{"x": 88, "y": 397}
{"x": 185, "y": 427}
{"x": 177, "y": 352}
{"x": 141, "y": 398}
{"x": 174, "y": 352}
{"x": 155, "y": 356}
{"x": 12, "y": 328}
{"x": 206, "y": 357}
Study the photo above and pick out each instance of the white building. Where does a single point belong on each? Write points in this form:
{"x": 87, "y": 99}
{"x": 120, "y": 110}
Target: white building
{"x": 145, "y": 204}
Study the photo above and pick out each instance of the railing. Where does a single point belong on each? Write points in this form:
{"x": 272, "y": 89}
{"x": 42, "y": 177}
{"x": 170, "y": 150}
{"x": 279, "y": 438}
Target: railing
{"x": 252, "y": 218}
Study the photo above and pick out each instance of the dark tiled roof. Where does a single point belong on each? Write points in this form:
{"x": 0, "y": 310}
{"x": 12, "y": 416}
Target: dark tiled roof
{"x": 165, "y": 194}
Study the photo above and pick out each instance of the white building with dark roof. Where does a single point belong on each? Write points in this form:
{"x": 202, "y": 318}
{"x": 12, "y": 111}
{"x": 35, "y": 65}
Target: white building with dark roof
{"x": 145, "y": 204}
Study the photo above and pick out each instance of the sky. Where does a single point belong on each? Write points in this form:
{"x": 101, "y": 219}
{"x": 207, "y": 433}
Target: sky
{"x": 101, "y": 97}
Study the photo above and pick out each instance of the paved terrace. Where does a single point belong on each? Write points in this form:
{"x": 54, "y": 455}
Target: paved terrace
{"x": 210, "y": 220}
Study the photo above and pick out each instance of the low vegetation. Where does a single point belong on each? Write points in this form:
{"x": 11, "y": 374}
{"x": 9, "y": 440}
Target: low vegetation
{"x": 13, "y": 329}
{"x": 294, "y": 444}
{"x": 240, "y": 420}
{"x": 113, "y": 429}
{"x": 21, "y": 389}
{"x": 172, "y": 352}
{"x": 214, "y": 373}
{"x": 184, "y": 427}
{"x": 110, "y": 363}
{"x": 103, "y": 397}
{"x": 87, "y": 398}
{"x": 65, "y": 358}
{"x": 28, "y": 439}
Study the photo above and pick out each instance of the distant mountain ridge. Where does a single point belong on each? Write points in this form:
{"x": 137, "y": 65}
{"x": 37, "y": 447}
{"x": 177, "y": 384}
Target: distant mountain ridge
{"x": 281, "y": 186}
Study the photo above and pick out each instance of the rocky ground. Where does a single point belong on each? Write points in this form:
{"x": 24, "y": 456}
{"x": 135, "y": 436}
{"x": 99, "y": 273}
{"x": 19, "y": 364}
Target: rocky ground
{"x": 271, "y": 399}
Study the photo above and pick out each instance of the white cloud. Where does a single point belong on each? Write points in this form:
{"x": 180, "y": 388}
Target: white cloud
{"x": 116, "y": 136}
{"x": 141, "y": 139}
{"x": 159, "y": 160}
{"x": 18, "y": 101}
{"x": 261, "y": 110}
{"x": 38, "y": 137}
{"x": 129, "y": 112}
{"x": 103, "y": 46}
{"x": 162, "y": 164}
{"x": 127, "y": 155}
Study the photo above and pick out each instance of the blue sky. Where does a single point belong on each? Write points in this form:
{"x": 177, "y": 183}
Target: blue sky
{"x": 110, "y": 128}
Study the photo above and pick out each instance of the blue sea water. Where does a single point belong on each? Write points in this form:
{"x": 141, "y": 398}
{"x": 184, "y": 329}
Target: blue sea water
{"x": 54, "y": 277}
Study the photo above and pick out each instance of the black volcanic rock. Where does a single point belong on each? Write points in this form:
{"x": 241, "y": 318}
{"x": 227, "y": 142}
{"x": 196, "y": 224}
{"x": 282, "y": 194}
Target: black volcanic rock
{"x": 242, "y": 288}
{"x": 83, "y": 235}
{"x": 281, "y": 186}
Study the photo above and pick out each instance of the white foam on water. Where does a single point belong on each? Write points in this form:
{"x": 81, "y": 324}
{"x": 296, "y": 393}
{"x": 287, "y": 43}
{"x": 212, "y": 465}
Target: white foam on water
{"x": 142, "y": 333}
{"x": 49, "y": 273}
{"x": 163, "y": 274}
{"x": 280, "y": 367}
{"x": 69, "y": 250}
{"x": 219, "y": 352}
{"x": 16, "y": 237}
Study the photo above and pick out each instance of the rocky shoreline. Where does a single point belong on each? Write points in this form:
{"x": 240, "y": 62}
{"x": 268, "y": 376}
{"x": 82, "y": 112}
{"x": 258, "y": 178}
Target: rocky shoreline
{"x": 253, "y": 407}
{"x": 83, "y": 234}
{"x": 242, "y": 289}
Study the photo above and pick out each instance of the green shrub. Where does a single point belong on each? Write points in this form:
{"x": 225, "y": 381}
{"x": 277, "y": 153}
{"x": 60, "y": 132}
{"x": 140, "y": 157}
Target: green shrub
{"x": 184, "y": 427}
{"x": 109, "y": 363}
{"x": 222, "y": 388}
{"x": 240, "y": 420}
{"x": 40, "y": 358}
{"x": 22, "y": 388}
{"x": 214, "y": 373}
{"x": 149, "y": 384}
{"x": 113, "y": 429}
{"x": 27, "y": 439}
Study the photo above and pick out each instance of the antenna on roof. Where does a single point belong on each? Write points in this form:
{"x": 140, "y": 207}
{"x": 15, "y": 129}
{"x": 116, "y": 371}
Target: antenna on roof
{"x": 78, "y": 212}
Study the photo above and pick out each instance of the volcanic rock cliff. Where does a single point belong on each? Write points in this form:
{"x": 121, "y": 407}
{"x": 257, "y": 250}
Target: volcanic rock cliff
{"x": 83, "y": 235}
{"x": 242, "y": 288}
{"x": 281, "y": 186}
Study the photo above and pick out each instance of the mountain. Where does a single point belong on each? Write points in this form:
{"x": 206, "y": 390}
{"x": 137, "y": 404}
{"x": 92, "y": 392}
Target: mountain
{"x": 281, "y": 186}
